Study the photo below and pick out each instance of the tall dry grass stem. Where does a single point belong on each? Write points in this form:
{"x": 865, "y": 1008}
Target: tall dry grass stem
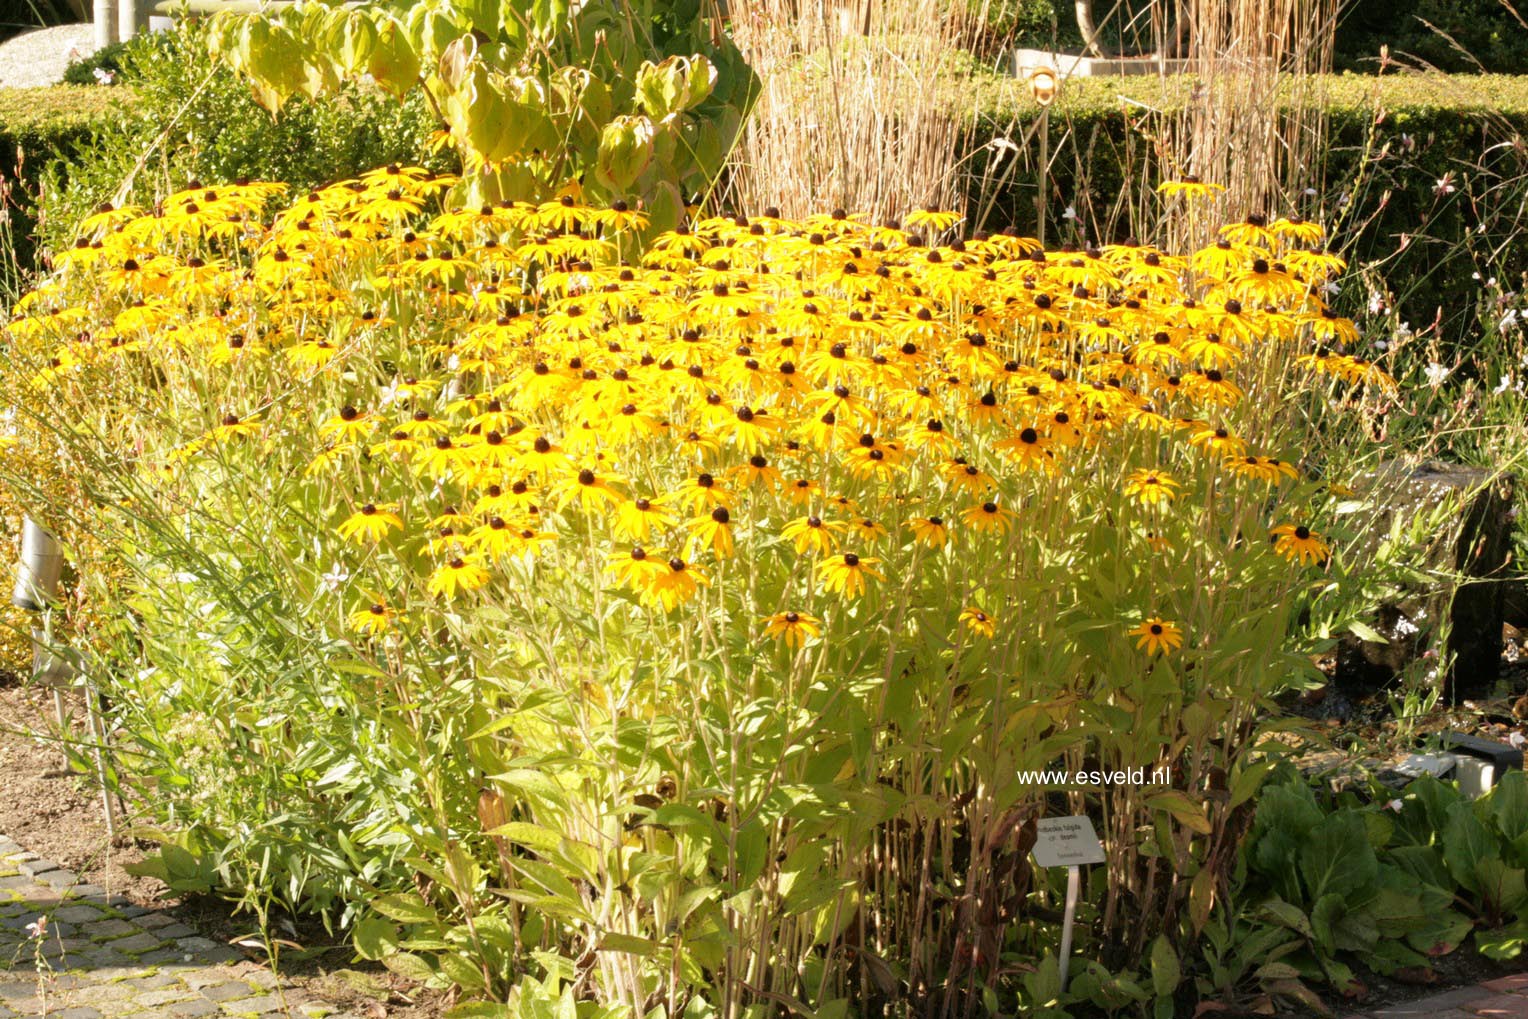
{"x": 851, "y": 113}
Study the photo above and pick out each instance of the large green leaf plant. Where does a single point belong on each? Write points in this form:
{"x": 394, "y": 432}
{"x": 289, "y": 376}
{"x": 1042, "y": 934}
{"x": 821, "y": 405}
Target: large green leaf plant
{"x": 634, "y": 101}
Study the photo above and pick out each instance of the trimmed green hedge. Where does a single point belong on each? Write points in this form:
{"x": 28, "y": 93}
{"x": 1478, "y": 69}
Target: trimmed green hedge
{"x": 1430, "y": 173}
{"x": 37, "y": 125}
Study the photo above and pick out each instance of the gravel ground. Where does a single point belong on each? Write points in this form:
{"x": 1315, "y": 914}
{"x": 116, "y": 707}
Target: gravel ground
{"x": 34, "y": 59}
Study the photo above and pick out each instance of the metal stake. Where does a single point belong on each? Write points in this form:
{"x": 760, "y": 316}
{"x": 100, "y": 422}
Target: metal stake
{"x": 1073, "y": 887}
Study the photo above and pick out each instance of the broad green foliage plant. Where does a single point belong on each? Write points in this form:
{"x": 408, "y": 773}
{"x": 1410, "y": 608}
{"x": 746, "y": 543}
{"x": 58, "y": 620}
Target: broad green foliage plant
{"x": 1389, "y": 880}
{"x": 620, "y": 101}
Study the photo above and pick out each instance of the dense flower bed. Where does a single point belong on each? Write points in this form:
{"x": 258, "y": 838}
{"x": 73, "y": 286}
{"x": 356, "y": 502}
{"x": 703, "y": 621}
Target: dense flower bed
{"x": 664, "y": 626}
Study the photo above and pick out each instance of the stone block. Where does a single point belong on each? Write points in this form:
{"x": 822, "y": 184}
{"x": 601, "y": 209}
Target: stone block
{"x": 1474, "y": 542}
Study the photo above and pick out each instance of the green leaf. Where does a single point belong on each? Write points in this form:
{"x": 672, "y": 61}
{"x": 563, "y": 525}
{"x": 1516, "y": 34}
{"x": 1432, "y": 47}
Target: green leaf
{"x": 1188, "y": 813}
{"x": 461, "y": 972}
{"x": 526, "y": 834}
{"x": 405, "y": 907}
{"x": 629, "y": 944}
{"x": 410, "y": 967}
{"x": 392, "y": 61}
{"x": 1465, "y": 843}
{"x": 1247, "y": 782}
{"x": 1336, "y": 858}
{"x": 626, "y": 148}
{"x": 1503, "y": 942}
{"x": 1501, "y": 887}
{"x": 1509, "y": 804}
{"x": 1363, "y": 631}
{"x": 1287, "y": 915}
{"x": 374, "y": 938}
{"x": 1165, "y": 971}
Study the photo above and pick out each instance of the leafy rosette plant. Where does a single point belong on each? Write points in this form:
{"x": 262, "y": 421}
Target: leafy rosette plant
{"x": 697, "y": 632}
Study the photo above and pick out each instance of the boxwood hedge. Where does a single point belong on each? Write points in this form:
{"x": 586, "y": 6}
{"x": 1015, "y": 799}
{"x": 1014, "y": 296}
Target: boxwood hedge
{"x": 1429, "y": 172}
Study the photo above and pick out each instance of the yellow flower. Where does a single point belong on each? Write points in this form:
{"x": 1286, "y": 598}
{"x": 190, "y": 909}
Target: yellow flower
{"x": 637, "y": 519}
{"x": 936, "y": 220}
{"x": 792, "y": 627}
{"x": 370, "y": 523}
{"x": 673, "y": 588}
{"x": 373, "y": 620}
{"x": 1298, "y": 542}
{"x": 1190, "y": 187}
{"x": 713, "y": 530}
{"x": 989, "y": 516}
{"x": 1150, "y": 488}
{"x": 460, "y": 574}
{"x": 845, "y": 574}
{"x": 931, "y": 531}
{"x": 349, "y": 424}
{"x": 636, "y": 569}
{"x": 810, "y": 535}
{"x": 978, "y": 622}
{"x": 1157, "y": 636}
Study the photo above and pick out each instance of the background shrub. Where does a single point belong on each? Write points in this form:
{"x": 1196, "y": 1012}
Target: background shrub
{"x": 107, "y": 58}
{"x": 1458, "y": 36}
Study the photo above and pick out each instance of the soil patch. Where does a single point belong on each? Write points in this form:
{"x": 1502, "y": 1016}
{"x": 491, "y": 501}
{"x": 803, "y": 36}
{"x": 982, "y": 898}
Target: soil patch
{"x": 57, "y": 813}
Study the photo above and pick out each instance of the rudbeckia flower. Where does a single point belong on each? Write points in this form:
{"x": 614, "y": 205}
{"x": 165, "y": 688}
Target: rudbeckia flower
{"x": 370, "y": 523}
{"x": 712, "y": 531}
{"x": 372, "y": 620}
{"x": 810, "y": 535}
{"x": 930, "y": 531}
{"x": 1151, "y": 488}
{"x": 792, "y": 627}
{"x": 681, "y": 582}
{"x": 1189, "y": 186}
{"x": 1299, "y": 543}
{"x": 1157, "y": 636}
{"x": 460, "y": 575}
{"x": 978, "y": 622}
{"x": 636, "y": 569}
{"x": 846, "y": 574}
{"x": 989, "y": 516}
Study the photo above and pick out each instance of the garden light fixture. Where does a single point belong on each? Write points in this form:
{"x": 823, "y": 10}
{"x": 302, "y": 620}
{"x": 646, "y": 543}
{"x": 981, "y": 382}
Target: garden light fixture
{"x": 1043, "y": 85}
{"x": 42, "y": 562}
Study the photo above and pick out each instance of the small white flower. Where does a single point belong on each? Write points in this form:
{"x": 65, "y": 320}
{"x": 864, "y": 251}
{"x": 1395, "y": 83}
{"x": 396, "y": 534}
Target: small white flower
{"x": 1504, "y": 384}
{"x": 1518, "y": 740}
{"x": 1376, "y": 302}
{"x": 1310, "y": 192}
{"x": 1510, "y": 319}
{"x": 1070, "y": 214}
{"x": 104, "y": 76}
{"x": 336, "y": 577}
{"x": 38, "y": 928}
{"x": 1436, "y": 373}
{"x": 1330, "y": 289}
{"x": 1382, "y": 345}
{"x": 1444, "y": 185}
{"x": 1394, "y": 805}
{"x": 1403, "y": 331}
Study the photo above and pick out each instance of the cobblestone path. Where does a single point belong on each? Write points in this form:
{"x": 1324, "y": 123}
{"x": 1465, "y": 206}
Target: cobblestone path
{"x": 99, "y": 958}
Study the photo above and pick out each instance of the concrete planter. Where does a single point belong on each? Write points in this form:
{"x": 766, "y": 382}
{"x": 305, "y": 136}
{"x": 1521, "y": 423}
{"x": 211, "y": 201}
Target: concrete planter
{"x": 1069, "y": 65}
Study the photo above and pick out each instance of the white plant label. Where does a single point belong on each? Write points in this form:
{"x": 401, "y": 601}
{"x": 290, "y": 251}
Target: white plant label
{"x": 1066, "y": 842}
